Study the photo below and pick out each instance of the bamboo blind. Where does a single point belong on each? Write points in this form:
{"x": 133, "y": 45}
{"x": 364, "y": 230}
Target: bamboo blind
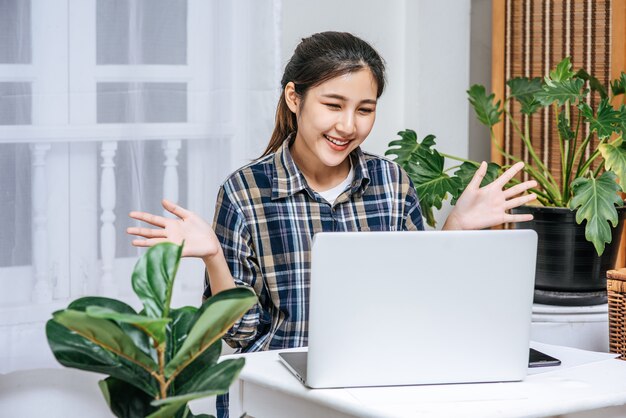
{"x": 529, "y": 38}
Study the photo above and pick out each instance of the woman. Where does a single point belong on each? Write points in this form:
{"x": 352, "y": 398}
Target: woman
{"x": 312, "y": 177}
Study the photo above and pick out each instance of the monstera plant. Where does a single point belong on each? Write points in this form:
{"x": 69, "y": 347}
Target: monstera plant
{"x": 160, "y": 358}
{"x": 589, "y": 180}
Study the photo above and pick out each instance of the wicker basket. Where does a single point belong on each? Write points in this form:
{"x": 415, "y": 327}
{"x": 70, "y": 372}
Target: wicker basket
{"x": 616, "y": 289}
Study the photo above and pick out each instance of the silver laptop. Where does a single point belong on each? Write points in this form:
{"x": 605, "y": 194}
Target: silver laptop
{"x": 431, "y": 307}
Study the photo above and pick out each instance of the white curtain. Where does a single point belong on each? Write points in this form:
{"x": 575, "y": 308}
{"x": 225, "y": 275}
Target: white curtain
{"x": 106, "y": 106}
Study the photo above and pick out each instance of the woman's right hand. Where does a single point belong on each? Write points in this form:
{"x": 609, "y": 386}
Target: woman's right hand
{"x": 200, "y": 240}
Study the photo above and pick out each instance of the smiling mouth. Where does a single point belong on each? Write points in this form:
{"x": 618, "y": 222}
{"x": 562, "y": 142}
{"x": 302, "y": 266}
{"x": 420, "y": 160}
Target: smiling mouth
{"x": 336, "y": 141}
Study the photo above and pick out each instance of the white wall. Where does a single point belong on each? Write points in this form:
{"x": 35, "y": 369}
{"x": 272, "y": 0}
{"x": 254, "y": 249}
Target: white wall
{"x": 480, "y": 73}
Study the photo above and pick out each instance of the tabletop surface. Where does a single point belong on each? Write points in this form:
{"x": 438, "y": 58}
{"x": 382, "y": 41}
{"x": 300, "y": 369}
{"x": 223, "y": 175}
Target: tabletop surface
{"x": 585, "y": 380}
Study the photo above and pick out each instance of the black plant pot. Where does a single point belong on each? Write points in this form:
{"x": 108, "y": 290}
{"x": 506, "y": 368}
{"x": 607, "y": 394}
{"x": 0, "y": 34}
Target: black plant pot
{"x": 569, "y": 270}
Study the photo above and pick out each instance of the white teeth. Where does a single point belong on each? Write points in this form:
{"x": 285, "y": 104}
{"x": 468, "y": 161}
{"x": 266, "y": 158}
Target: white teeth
{"x": 334, "y": 141}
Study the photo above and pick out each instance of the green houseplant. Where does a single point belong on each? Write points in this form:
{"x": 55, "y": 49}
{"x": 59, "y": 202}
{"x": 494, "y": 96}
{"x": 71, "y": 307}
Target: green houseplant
{"x": 587, "y": 185}
{"x": 160, "y": 358}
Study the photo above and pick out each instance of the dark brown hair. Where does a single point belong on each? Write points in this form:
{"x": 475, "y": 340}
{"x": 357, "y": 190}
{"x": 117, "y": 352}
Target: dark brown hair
{"x": 317, "y": 59}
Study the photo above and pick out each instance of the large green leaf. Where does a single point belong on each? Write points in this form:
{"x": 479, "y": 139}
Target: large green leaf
{"x": 153, "y": 278}
{"x": 124, "y": 400}
{"x": 596, "y": 200}
{"x": 140, "y": 339}
{"x": 405, "y": 149}
{"x": 199, "y": 365}
{"x": 168, "y": 411}
{"x": 487, "y": 112}
{"x": 217, "y": 378}
{"x": 154, "y": 327}
{"x": 563, "y": 70}
{"x": 615, "y": 160}
{"x": 74, "y": 350}
{"x": 179, "y": 409}
{"x": 432, "y": 184}
{"x": 427, "y": 212}
{"x": 561, "y": 86}
{"x": 466, "y": 172}
{"x": 425, "y": 168}
{"x": 104, "y": 333}
{"x": 606, "y": 121}
{"x": 594, "y": 83}
{"x": 182, "y": 321}
{"x": 561, "y": 91}
{"x": 523, "y": 90}
{"x": 220, "y": 313}
{"x": 618, "y": 86}
{"x": 214, "y": 381}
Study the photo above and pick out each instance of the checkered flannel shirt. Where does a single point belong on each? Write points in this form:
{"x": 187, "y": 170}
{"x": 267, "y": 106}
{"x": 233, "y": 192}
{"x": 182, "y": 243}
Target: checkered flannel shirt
{"x": 266, "y": 216}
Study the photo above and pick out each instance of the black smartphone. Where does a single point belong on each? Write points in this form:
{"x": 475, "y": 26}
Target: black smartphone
{"x": 539, "y": 359}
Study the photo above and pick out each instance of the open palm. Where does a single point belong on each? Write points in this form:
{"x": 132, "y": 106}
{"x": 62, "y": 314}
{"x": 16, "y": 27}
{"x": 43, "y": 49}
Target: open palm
{"x": 199, "y": 238}
{"x": 484, "y": 207}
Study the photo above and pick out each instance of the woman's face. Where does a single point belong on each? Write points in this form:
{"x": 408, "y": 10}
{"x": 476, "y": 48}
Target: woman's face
{"x": 334, "y": 119}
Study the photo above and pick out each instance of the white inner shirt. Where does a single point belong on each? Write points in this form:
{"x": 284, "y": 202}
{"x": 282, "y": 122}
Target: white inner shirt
{"x": 332, "y": 194}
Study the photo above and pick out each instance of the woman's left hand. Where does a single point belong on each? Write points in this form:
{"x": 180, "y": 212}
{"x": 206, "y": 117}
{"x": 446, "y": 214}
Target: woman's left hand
{"x": 483, "y": 207}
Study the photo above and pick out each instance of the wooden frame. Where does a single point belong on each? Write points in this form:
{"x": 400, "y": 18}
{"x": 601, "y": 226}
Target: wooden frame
{"x": 618, "y": 64}
{"x": 497, "y": 72}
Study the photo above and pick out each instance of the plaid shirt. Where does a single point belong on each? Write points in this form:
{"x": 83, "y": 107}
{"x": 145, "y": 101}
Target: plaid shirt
{"x": 265, "y": 219}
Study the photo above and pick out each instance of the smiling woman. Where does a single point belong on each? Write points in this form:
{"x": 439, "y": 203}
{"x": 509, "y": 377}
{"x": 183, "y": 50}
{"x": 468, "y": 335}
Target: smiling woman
{"x": 339, "y": 114}
{"x": 268, "y": 211}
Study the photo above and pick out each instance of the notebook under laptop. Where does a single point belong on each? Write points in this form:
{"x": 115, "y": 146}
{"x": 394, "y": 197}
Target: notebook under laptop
{"x": 430, "y": 307}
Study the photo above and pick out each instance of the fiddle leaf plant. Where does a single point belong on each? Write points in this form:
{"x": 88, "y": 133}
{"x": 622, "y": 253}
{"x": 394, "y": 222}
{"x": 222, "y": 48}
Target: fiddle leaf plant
{"x": 592, "y": 172}
{"x": 160, "y": 358}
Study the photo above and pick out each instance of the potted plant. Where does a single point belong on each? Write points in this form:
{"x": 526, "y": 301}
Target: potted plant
{"x": 160, "y": 358}
{"x": 579, "y": 211}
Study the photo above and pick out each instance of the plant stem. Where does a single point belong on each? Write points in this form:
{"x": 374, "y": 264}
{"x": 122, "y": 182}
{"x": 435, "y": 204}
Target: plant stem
{"x": 162, "y": 383}
{"x": 527, "y": 135}
{"x": 580, "y": 153}
{"x": 545, "y": 183}
{"x": 535, "y": 191}
{"x": 555, "y": 109}
{"x": 463, "y": 160}
{"x": 601, "y": 166}
{"x": 593, "y": 156}
{"x": 500, "y": 149}
{"x": 570, "y": 162}
{"x": 597, "y": 171}
{"x": 451, "y": 168}
{"x": 544, "y": 201}
{"x": 549, "y": 188}
{"x": 531, "y": 150}
{"x": 561, "y": 146}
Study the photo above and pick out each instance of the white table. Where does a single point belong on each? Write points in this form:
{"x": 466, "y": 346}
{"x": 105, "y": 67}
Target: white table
{"x": 587, "y": 384}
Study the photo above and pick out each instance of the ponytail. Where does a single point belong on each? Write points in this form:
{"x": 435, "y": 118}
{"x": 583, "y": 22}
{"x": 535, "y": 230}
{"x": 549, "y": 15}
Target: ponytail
{"x": 285, "y": 125}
